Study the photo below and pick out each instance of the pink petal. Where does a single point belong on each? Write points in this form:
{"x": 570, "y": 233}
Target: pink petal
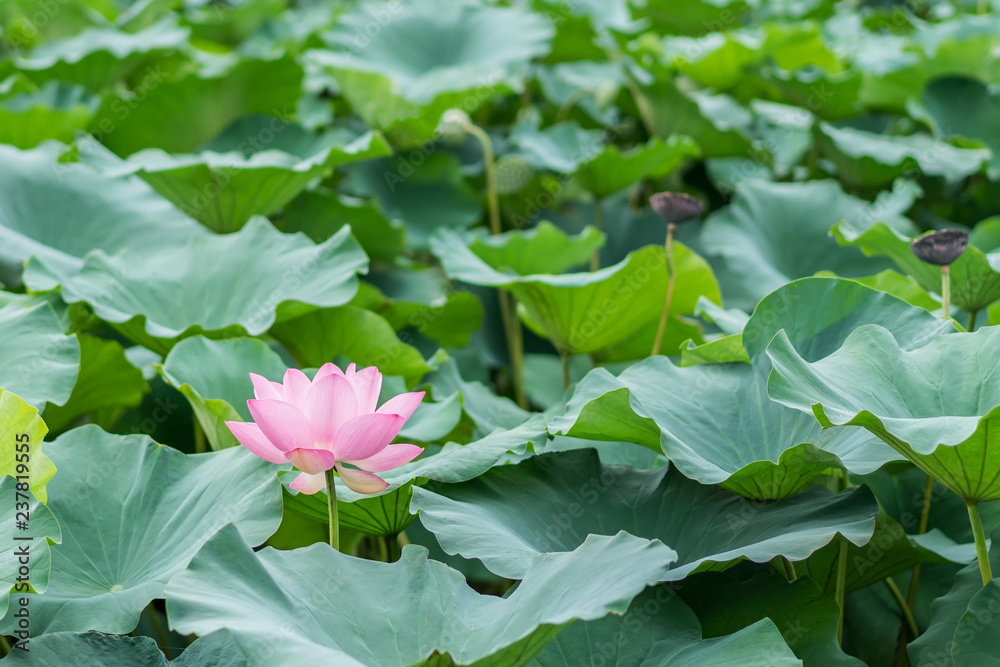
{"x": 367, "y": 384}
{"x": 361, "y": 482}
{"x": 265, "y": 389}
{"x": 326, "y": 369}
{"x": 366, "y": 435}
{"x": 296, "y": 386}
{"x": 251, "y": 437}
{"x": 308, "y": 484}
{"x": 391, "y": 457}
{"x": 312, "y": 461}
{"x": 350, "y": 370}
{"x": 282, "y": 423}
{"x": 329, "y": 403}
{"x": 402, "y": 405}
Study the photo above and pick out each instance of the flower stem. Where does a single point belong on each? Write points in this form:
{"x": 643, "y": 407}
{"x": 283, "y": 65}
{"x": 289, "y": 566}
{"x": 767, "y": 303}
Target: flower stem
{"x": 331, "y": 496}
{"x": 199, "y": 437}
{"x": 158, "y": 629}
{"x": 595, "y": 258}
{"x": 903, "y": 608}
{"x": 515, "y": 344}
{"x": 671, "y": 278}
{"x": 945, "y": 292}
{"x": 566, "y": 377}
{"x": 841, "y": 585}
{"x": 982, "y": 555}
{"x": 925, "y": 511}
{"x": 972, "y": 320}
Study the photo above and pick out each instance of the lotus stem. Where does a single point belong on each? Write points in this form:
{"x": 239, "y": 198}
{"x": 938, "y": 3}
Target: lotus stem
{"x": 199, "y": 437}
{"x": 925, "y": 511}
{"x": 158, "y": 629}
{"x": 671, "y": 279}
{"x": 945, "y": 291}
{"x": 841, "y": 586}
{"x": 595, "y": 257}
{"x": 972, "y": 320}
{"x": 4, "y": 644}
{"x": 331, "y": 497}
{"x": 911, "y": 622}
{"x": 566, "y": 375}
{"x": 515, "y": 345}
{"x": 982, "y": 555}
{"x": 393, "y": 548}
{"x": 789, "y": 569}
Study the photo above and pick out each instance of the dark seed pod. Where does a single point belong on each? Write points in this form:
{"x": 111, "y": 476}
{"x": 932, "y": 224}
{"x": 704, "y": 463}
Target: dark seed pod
{"x": 940, "y": 248}
{"x": 676, "y": 206}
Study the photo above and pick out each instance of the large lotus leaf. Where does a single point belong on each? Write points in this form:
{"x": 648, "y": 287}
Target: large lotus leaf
{"x": 975, "y": 275}
{"x": 562, "y": 147}
{"x": 805, "y": 615}
{"x": 159, "y": 295}
{"x": 320, "y": 214}
{"x": 29, "y": 528}
{"x": 355, "y": 333}
{"x": 900, "y": 286}
{"x": 545, "y": 249}
{"x": 99, "y": 57}
{"x": 408, "y": 62}
{"x": 963, "y": 107}
{"x": 133, "y": 514}
{"x": 45, "y": 198}
{"x": 952, "y": 630}
{"x": 214, "y": 375}
{"x": 934, "y": 405}
{"x": 223, "y": 190}
{"x": 589, "y": 85}
{"x": 20, "y": 423}
{"x": 37, "y": 360}
{"x": 775, "y": 232}
{"x": 873, "y": 160}
{"x": 388, "y": 512}
{"x": 487, "y": 411}
{"x": 612, "y": 313}
{"x": 694, "y": 17}
{"x": 551, "y": 502}
{"x": 107, "y": 384}
{"x": 56, "y": 111}
{"x": 425, "y": 192}
{"x": 715, "y": 423}
{"x": 93, "y": 649}
{"x": 659, "y": 629}
{"x": 612, "y": 169}
{"x": 409, "y": 613}
{"x": 226, "y": 88}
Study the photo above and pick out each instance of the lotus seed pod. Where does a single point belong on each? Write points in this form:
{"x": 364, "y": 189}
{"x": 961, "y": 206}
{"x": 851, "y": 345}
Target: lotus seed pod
{"x": 676, "y": 206}
{"x": 940, "y": 248}
{"x": 513, "y": 174}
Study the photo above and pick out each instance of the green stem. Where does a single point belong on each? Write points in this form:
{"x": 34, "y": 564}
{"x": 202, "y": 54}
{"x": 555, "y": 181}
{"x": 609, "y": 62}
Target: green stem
{"x": 566, "y": 376}
{"x": 4, "y": 645}
{"x": 972, "y": 320}
{"x": 841, "y": 584}
{"x": 199, "y": 437}
{"x": 392, "y": 543}
{"x": 903, "y": 608}
{"x": 980, "y": 537}
{"x": 925, "y": 512}
{"x": 331, "y": 496}
{"x": 161, "y": 636}
{"x": 945, "y": 292}
{"x": 789, "y": 569}
{"x": 981, "y": 8}
{"x": 671, "y": 278}
{"x": 595, "y": 258}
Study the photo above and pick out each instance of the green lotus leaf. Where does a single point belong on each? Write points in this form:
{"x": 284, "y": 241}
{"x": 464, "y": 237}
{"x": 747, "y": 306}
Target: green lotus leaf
{"x": 96, "y": 58}
{"x": 56, "y": 111}
{"x": 934, "y": 404}
{"x": 320, "y": 214}
{"x": 590, "y": 85}
{"x": 867, "y": 159}
{"x": 214, "y": 375}
{"x": 20, "y": 423}
{"x": 32, "y": 538}
{"x": 612, "y": 169}
{"x": 487, "y": 411}
{"x": 723, "y": 350}
{"x": 355, "y": 333}
{"x": 388, "y": 513}
{"x": 830, "y": 96}
{"x": 670, "y": 634}
{"x": 412, "y": 62}
{"x": 108, "y": 383}
{"x": 93, "y": 649}
{"x": 46, "y": 198}
{"x": 562, "y": 147}
{"x": 412, "y": 612}
{"x": 223, "y": 190}
{"x": 776, "y": 232}
{"x": 37, "y": 360}
{"x": 138, "y": 289}
{"x": 692, "y": 18}
{"x": 571, "y": 310}
{"x": 962, "y": 107}
{"x": 975, "y": 283}
{"x": 900, "y": 286}
{"x": 424, "y": 192}
{"x": 106, "y": 571}
{"x": 805, "y": 615}
{"x": 226, "y": 88}
{"x": 952, "y": 631}
{"x": 234, "y": 23}
{"x": 551, "y": 502}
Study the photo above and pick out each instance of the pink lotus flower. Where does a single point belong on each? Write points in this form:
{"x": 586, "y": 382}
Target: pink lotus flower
{"x": 327, "y": 423}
